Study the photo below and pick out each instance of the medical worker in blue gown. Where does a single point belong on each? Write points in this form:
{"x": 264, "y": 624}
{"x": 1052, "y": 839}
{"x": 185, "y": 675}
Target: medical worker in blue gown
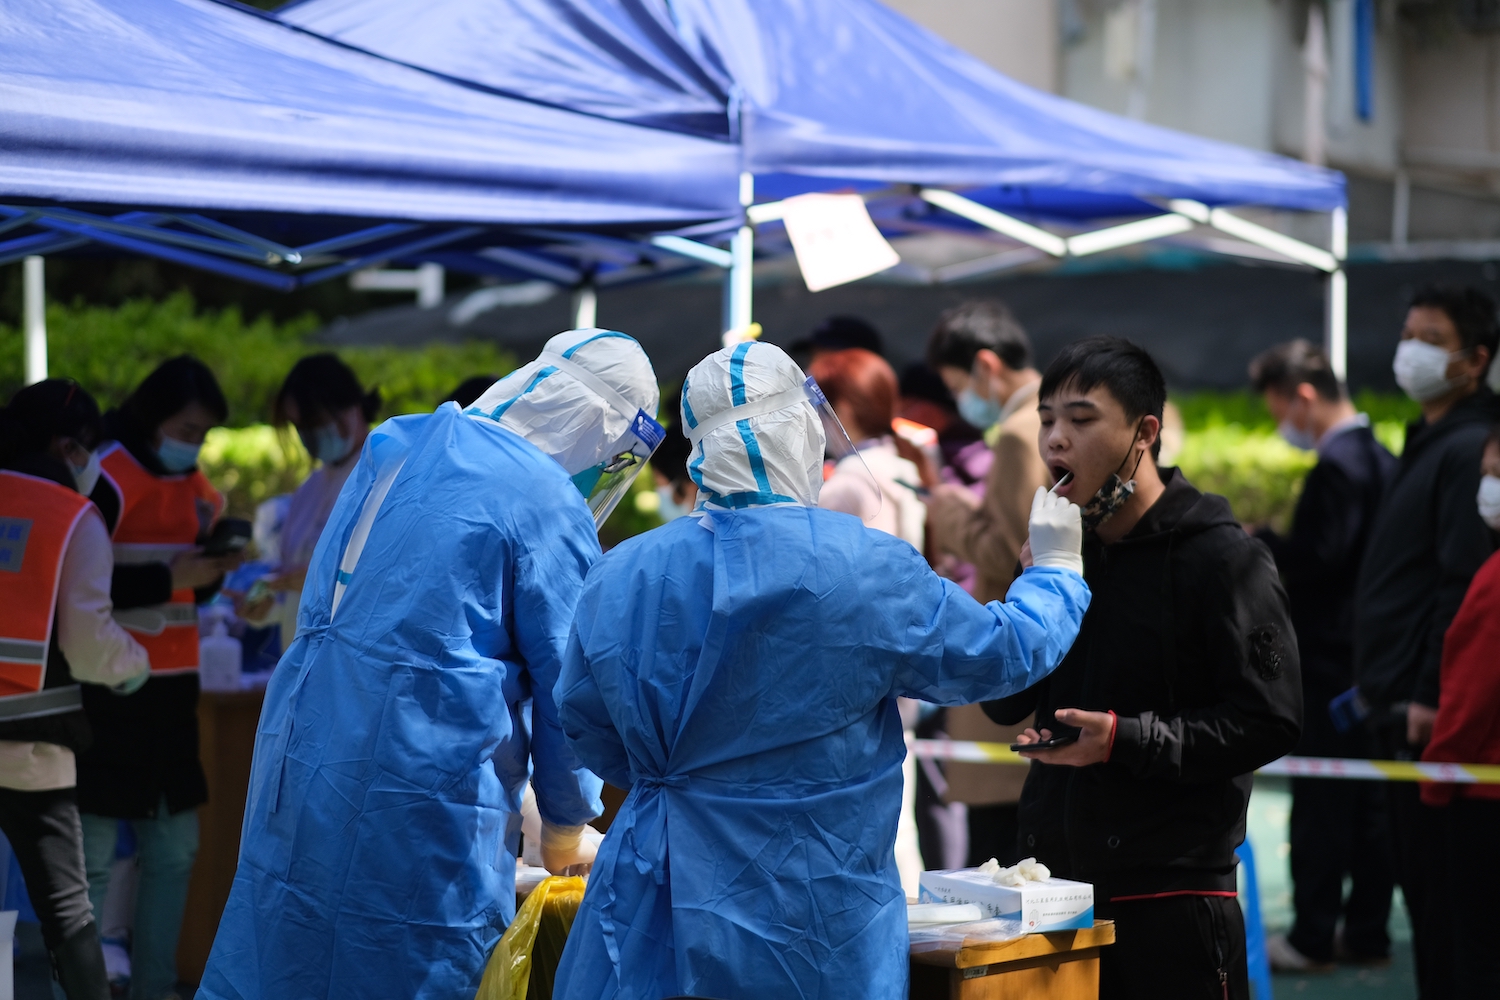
{"x": 738, "y": 671}
{"x": 379, "y": 850}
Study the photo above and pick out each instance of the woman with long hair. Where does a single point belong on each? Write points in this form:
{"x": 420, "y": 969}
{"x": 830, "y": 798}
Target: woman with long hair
{"x": 143, "y": 766}
{"x": 322, "y": 400}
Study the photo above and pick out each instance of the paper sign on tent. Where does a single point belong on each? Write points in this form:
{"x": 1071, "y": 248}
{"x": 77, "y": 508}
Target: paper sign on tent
{"x": 835, "y": 240}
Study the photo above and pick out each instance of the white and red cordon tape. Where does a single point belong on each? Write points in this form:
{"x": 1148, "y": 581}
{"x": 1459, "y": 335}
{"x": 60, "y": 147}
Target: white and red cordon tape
{"x": 972, "y": 752}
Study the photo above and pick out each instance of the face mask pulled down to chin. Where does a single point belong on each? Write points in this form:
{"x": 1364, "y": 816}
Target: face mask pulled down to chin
{"x": 1114, "y": 494}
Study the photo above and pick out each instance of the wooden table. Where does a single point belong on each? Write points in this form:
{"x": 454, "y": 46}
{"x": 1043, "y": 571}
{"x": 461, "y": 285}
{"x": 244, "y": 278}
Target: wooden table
{"x": 1061, "y": 965}
{"x": 226, "y": 743}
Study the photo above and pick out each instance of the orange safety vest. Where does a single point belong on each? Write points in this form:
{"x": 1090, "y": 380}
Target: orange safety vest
{"x": 159, "y": 517}
{"x": 37, "y": 520}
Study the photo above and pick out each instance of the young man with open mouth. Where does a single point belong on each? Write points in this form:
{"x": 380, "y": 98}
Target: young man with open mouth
{"x": 1183, "y": 680}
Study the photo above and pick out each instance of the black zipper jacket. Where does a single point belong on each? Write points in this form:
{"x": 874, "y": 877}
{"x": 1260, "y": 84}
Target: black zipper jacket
{"x": 1426, "y": 546}
{"x": 1188, "y": 640}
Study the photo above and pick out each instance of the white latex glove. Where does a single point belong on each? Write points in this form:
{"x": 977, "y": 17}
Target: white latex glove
{"x": 1056, "y": 532}
{"x": 564, "y": 846}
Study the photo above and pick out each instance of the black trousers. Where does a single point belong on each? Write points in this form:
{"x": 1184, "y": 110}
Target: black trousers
{"x": 44, "y": 830}
{"x": 1418, "y": 840}
{"x": 1177, "y": 947}
{"x": 1473, "y": 830}
{"x": 1339, "y": 828}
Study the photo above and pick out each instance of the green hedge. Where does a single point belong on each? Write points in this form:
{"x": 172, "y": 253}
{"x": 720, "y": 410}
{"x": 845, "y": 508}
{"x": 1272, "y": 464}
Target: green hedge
{"x": 109, "y": 351}
{"x": 1230, "y": 446}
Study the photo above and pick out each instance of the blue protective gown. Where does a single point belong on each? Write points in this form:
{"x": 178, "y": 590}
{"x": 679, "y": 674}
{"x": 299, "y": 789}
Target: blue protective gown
{"x": 742, "y": 683}
{"x": 378, "y": 854}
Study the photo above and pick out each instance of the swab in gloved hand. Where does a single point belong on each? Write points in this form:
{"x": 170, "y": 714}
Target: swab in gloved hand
{"x": 1056, "y": 531}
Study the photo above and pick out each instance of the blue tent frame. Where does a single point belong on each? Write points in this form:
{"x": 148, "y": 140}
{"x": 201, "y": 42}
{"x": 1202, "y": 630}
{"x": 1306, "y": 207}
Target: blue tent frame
{"x": 211, "y": 135}
{"x": 846, "y": 94}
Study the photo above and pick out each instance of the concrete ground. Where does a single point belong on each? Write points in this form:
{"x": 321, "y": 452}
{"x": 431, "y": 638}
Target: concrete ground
{"x": 1270, "y": 808}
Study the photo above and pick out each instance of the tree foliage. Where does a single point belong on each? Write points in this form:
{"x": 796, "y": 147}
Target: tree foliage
{"x": 109, "y": 351}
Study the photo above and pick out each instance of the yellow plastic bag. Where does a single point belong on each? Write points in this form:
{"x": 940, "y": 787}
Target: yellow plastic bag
{"x": 548, "y": 911}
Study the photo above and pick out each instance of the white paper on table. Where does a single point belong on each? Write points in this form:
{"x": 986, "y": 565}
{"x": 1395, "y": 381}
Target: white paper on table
{"x": 835, "y": 240}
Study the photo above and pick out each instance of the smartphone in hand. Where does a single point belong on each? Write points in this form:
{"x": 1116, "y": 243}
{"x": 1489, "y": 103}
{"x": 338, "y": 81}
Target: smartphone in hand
{"x": 1056, "y": 741}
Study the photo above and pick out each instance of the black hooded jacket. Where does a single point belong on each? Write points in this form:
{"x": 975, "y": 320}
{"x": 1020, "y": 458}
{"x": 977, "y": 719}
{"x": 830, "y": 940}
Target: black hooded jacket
{"x": 1427, "y": 543}
{"x": 1188, "y": 640}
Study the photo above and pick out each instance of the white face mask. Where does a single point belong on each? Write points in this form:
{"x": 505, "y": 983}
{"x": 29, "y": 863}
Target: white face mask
{"x": 86, "y": 477}
{"x": 1489, "y": 501}
{"x": 1422, "y": 369}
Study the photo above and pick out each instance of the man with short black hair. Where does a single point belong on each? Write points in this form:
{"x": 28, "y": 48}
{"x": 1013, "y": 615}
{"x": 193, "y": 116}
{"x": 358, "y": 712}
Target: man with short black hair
{"x": 1338, "y": 828}
{"x": 1183, "y": 680}
{"x": 1427, "y": 543}
{"x": 984, "y": 357}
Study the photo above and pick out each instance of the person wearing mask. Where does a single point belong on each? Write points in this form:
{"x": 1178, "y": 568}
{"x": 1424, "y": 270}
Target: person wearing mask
{"x": 861, "y": 388}
{"x": 738, "y": 671}
{"x": 143, "y": 765}
{"x": 378, "y": 856}
{"x": 1183, "y": 681}
{"x": 1467, "y": 731}
{"x": 1338, "y": 828}
{"x": 985, "y": 358}
{"x": 56, "y": 634}
{"x": 323, "y": 400}
{"x": 1427, "y": 543}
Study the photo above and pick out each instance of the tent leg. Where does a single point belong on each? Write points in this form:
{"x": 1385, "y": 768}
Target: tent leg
{"x": 1336, "y": 325}
{"x": 742, "y": 263}
{"x": 742, "y": 246}
{"x": 35, "y": 318}
{"x": 1336, "y": 329}
{"x": 585, "y": 307}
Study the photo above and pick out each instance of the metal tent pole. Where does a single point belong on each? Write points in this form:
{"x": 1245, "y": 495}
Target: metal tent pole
{"x": 34, "y": 294}
{"x": 1336, "y": 328}
{"x": 742, "y": 252}
{"x": 585, "y": 306}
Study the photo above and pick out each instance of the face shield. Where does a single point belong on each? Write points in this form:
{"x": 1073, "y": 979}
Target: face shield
{"x": 606, "y": 482}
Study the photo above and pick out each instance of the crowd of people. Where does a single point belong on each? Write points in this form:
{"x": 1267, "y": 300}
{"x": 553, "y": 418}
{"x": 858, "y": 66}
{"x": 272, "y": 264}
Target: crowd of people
{"x": 976, "y": 548}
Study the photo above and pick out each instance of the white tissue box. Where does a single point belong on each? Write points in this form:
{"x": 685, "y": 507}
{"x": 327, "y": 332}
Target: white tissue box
{"x": 1053, "y": 904}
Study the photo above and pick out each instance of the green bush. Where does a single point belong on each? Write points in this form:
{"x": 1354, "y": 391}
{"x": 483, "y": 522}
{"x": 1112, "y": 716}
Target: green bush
{"x": 250, "y": 464}
{"x": 1231, "y": 448}
{"x": 109, "y": 351}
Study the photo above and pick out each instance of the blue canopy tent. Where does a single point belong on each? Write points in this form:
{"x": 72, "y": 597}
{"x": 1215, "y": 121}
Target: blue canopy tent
{"x": 212, "y": 136}
{"x": 831, "y": 94}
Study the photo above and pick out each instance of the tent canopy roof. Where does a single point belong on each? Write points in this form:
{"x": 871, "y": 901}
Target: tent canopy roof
{"x": 197, "y": 105}
{"x": 843, "y": 91}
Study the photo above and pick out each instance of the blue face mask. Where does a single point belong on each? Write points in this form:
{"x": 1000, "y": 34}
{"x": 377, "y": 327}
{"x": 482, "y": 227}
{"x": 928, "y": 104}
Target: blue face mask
{"x": 177, "y": 456}
{"x": 978, "y": 411}
{"x": 329, "y": 445}
{"x": 669, "y": 509}
{"x": 1295, "y": 437}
